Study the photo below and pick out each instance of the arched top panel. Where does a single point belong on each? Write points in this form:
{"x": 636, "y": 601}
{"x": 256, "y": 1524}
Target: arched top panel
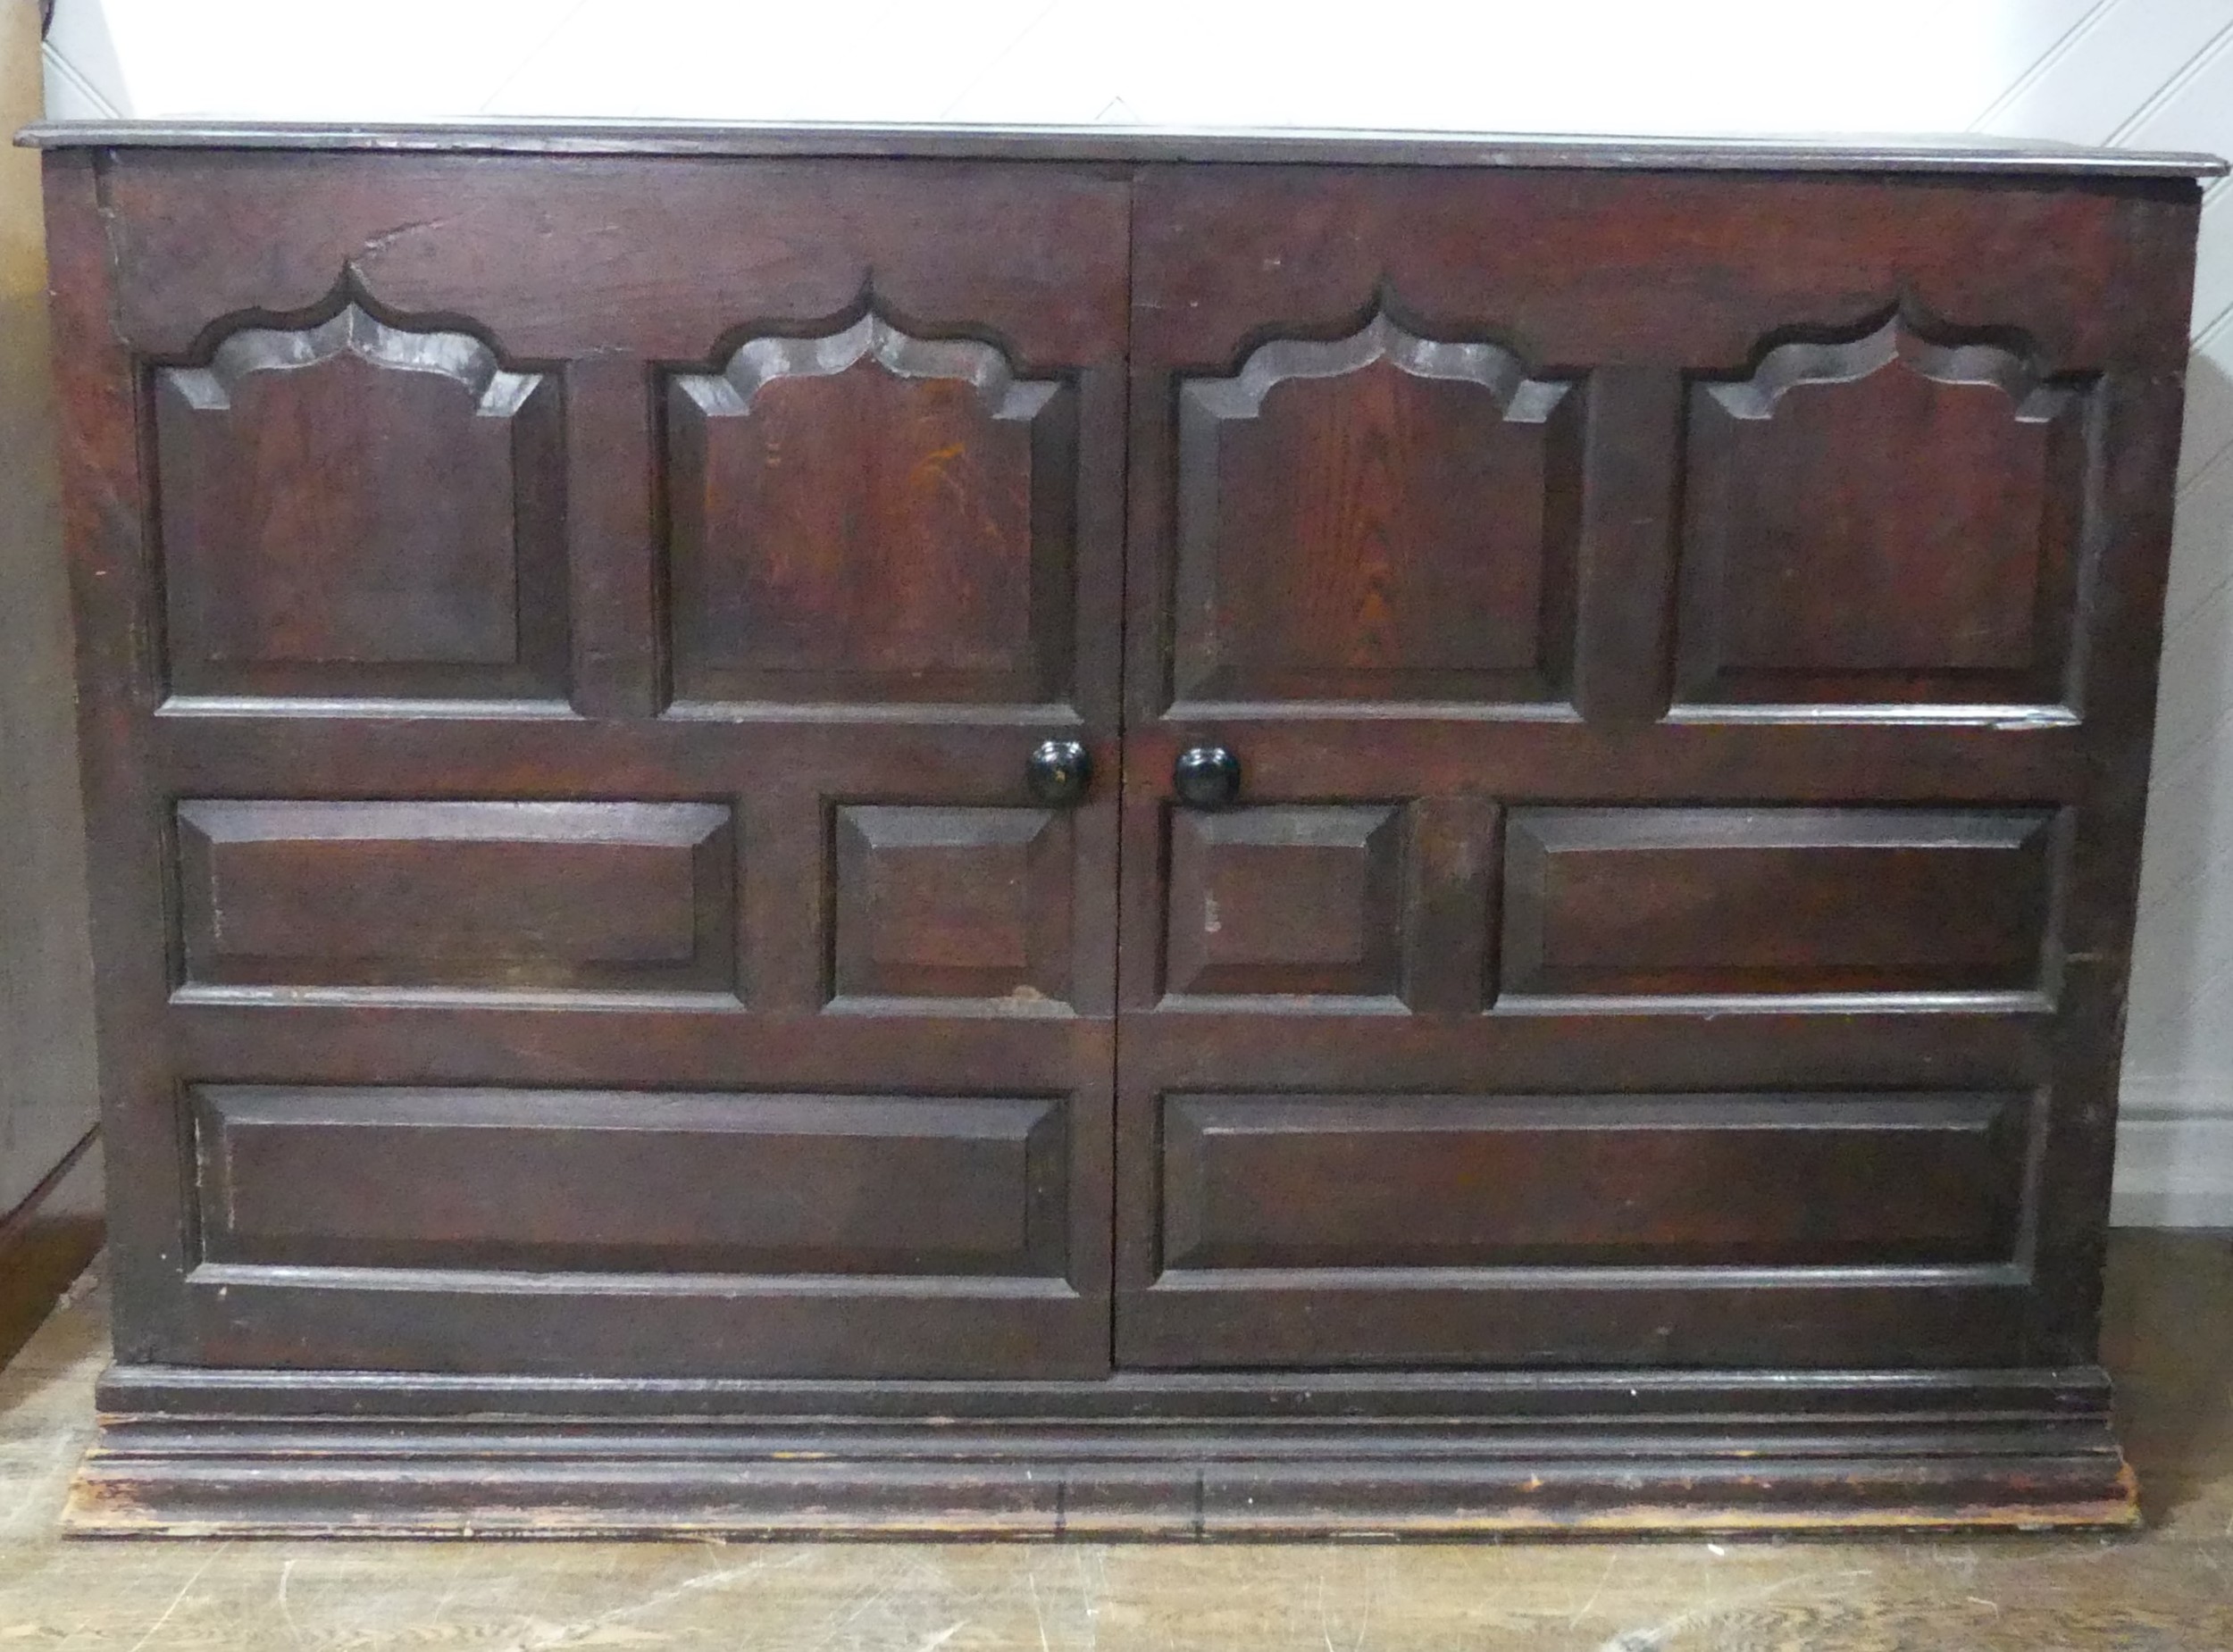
{"x": 1381, "y": 517}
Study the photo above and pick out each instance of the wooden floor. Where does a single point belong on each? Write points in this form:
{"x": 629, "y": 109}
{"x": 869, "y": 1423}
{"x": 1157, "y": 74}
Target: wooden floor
{"x": 2170, "y": 1587}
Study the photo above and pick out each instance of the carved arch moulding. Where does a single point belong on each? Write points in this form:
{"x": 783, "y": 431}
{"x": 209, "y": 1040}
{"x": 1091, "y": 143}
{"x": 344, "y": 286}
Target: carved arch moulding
{"x": 359, "y": 507}
{"x": 1892, "y": 518}
{"x": 867, "y": 515}
{"x": 1380, "y": 517}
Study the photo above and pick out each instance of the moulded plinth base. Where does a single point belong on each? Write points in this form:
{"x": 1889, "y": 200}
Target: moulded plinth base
{"x": 1219, "y": 1455}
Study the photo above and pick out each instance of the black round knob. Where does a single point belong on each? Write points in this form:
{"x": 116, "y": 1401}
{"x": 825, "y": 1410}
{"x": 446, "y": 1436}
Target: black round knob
{"x": 1206, "y": 776}
{"x": 1058, "y": 771}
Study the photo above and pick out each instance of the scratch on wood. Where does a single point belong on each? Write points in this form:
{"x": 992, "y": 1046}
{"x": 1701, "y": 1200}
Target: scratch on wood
{"x": 185, "y": 1590}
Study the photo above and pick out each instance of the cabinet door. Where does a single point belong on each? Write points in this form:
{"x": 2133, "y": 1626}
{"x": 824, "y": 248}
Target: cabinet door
{"x": 1614, "y": 872}
{"x": 579, "y": 895}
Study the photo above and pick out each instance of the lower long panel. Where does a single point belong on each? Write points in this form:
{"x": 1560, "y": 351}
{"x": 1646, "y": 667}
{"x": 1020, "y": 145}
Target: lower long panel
{"x": 1775, "y": 1180}
{"x": 641, "y": 1232}
{"x": 1792, "y": 1227}
{"x": 613, "y": 1182}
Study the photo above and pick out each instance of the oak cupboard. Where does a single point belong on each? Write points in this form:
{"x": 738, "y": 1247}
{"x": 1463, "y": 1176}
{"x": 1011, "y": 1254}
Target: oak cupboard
{"x": 1071, "y": 832}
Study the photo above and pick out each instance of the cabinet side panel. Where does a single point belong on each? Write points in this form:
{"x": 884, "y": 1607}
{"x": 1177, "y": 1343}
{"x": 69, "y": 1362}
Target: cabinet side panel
{"x": 105, "y": 516}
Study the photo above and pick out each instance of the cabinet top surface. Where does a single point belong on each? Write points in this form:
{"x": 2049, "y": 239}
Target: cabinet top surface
{"x": 1870, "y": 153}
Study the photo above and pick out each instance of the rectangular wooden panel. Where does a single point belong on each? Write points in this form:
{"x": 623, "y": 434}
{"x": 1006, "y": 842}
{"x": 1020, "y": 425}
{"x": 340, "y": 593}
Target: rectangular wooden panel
{"x": 613, "y": 896}
{"x": 352, "y": 508}
{"x": 952, "y": 903}
{"x": 870, "y": 515}
{"x": 1288, "y": 900}
{"x": 1380, "y": 517}
{"x": 1886, "y": 517}
{"x": 630, "y": 1181}
{"x": 1770, "y": 901}
{"x": 1447, "y": 1181}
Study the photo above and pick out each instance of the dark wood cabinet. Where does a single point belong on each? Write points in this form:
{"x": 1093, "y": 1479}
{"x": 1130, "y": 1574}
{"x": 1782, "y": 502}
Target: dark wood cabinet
{"x": 1086, "y": 832}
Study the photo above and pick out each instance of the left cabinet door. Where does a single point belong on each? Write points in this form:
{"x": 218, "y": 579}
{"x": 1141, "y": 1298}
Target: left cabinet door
{"x": 600, "y": 690}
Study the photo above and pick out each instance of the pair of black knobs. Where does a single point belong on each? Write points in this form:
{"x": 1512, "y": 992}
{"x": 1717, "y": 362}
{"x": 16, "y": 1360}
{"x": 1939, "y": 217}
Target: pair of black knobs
{"x": 1204, "y": 777}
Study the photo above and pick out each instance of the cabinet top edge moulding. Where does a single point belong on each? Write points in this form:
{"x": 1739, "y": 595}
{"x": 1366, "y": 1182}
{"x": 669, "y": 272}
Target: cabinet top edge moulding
{"x": 1875, "y": 154}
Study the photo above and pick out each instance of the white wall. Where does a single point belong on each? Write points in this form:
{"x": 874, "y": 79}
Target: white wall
{"x": 2146, "y": 73}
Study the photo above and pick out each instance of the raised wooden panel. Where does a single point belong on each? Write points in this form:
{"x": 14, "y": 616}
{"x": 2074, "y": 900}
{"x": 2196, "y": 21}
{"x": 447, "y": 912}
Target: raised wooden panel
{"x": 355, "y": 508}
{"x": 1383, "y": 517}
{"x": 1456, "y": 1182}
{"x": 1777, "y": 900}
{"x": 636, "y": 1181}
{"x": 611, "y": 896}
{"x": 866, "y": 515}
{"x": 1888, "y": 519}
{"x": 953, "y": 903}
{"x": 1285, "y": 900}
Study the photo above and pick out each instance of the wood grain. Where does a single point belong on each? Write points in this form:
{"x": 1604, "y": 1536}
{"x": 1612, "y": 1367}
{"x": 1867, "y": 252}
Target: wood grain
{"x": 357, "y": 508}
{"x": 496, "y": 896}
{"x": 1887, "y": 519}
{"x": 1448, "y": 1181}
{"x": 541, "y": 1181}
{"x": 1379, "y": 517}
{"x": 1767, "y": 901}
{"x": 1686, "y": 633}
{"x": 868, "y": 515}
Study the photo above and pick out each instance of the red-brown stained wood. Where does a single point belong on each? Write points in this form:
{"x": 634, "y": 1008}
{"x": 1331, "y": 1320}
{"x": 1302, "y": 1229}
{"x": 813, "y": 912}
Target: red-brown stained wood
{"x": 1880, "y": 520}
{"x": 500, "y": 896}
{"x": 1837, "y": 496}
{"x": 1395, "y": 1181}
{"x": 866, "y": 514}
{"x": 1286, "y": 900}
{"x": 630, "y": 1182}
{"x": 353, "y": 507}
{"x": 1382, "y": 517}
{"x": 1767, "y": 901}
{"x": 953, "y": 903}
{"x": 443, "y": 481}
{"x": 565, "y": 640}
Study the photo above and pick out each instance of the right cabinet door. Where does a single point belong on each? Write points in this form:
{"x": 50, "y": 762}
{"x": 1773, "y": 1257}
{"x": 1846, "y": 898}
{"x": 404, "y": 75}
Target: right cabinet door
{"x": 1637, "y": 694}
